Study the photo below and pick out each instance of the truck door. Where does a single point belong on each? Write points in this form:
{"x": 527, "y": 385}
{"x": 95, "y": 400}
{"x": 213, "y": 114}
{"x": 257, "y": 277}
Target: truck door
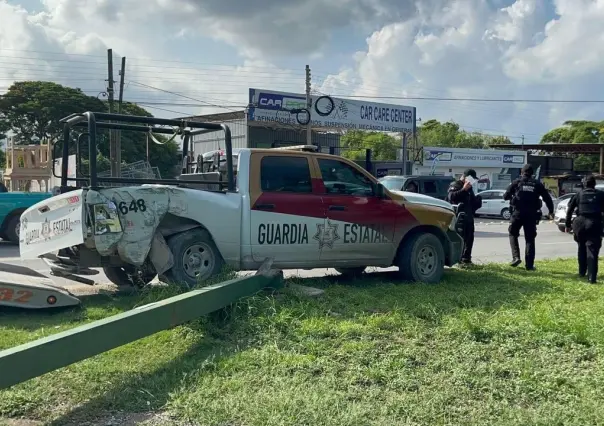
{"x": 359, "y": 226}
{"x": 286, "y": 209}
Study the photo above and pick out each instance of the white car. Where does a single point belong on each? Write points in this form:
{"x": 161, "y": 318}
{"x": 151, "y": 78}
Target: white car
{"x": 493, "y": 204}
{"x": 560, "y": 215}
{"x": 562, "y": 207}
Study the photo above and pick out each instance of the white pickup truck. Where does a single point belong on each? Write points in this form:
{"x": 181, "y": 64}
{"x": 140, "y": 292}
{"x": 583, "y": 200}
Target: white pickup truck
{"x": 302, "y": 209}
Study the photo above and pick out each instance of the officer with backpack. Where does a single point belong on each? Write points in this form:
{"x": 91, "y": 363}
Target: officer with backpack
{"x": 587, "y": 226}
{"x": 525, "y": 194}
{"x": 462, "y": 193}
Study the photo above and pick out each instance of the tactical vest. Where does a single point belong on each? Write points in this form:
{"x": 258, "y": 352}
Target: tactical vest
{"x": 589, "y": 203}
{"x": 526, "y": 199}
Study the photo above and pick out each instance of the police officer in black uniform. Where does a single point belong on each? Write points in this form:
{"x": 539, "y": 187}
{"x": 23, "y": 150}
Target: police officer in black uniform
{"x": 461, "y": 193}
{"x": 587, "y": 226}
{"x": 524, "y": 194}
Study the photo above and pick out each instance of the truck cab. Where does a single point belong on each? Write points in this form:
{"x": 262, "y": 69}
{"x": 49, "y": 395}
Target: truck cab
{"x": 302, "y": 209}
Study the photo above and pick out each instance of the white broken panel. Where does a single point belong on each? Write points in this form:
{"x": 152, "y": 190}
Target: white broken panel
{"x": 141, "y": 209}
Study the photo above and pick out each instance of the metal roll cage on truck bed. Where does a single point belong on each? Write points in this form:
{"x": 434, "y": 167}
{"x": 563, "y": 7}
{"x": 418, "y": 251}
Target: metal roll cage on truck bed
{"x": 98, "y": 120}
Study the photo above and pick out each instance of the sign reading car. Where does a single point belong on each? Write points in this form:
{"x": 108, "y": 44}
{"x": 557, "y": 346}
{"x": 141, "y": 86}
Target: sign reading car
{"x": 327, "y": 111}
{"x": 274, "y": 101}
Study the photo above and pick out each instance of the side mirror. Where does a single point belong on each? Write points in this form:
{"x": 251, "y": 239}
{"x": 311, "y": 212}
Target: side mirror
{"x": 380, "y": 191}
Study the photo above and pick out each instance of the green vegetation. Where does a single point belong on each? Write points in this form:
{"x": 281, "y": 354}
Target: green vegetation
{"x": 490, "y": 345}
{"x": 579, "y": 131}
{"x": 32, "y": 110}
{"x": 430, "y": 133}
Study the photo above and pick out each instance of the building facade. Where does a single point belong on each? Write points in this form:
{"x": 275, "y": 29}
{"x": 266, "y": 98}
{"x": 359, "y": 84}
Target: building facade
{"x": 495, "y": 169}
{"x": 257, "y": 134}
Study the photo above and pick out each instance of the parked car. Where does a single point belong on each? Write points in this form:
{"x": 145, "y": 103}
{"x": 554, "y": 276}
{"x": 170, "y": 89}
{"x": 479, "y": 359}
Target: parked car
{"x": 12, "y": 204}
{"x": 562, "y": 207}
{"x": 493, "y": 204}
{"x": 433, "y": 186}
{"x": 560, "y": 215}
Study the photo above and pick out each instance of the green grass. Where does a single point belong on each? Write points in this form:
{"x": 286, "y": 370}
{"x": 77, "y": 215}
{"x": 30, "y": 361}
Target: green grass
{"x": 491, "y": 345}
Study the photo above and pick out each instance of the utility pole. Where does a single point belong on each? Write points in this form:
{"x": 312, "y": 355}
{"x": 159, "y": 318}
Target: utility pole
{"x": 118, "y": 139}
{"x": 308, "y": 106}
{"x": 112, "y": 147}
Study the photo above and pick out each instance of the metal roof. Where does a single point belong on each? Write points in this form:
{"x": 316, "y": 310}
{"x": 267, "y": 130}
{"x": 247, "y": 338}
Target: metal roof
{"x": 584, "y": 148}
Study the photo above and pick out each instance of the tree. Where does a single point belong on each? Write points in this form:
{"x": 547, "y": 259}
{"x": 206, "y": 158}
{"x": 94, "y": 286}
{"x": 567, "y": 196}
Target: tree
{"x": 449, "y": 134}
{"x": 498, "y": 140}
{"x": 431, "y": 133}
{"x": 32, "y": 110}
{"x": 383, "y": 146}
{"x": 579, "y": 131}
{"x": 576, "y": 132}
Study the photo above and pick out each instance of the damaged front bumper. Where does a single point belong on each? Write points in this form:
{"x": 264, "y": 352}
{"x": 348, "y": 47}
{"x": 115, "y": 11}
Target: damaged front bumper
{"x": 82, "y": 229}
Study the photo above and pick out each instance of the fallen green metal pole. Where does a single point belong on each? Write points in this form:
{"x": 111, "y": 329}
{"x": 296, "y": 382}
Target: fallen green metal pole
{"x": 33, "y": 359}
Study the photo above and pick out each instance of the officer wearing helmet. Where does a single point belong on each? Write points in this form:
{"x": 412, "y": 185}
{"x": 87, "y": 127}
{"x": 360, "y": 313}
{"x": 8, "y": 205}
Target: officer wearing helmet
{"x": 587, "y": 226}
{"x": 525, "y": 194}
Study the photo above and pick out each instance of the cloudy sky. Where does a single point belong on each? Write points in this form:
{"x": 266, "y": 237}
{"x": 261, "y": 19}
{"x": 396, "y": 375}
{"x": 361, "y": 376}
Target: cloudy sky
{"x": 209, "y": 52}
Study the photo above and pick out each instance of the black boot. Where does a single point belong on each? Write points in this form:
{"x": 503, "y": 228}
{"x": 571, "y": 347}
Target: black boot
{"x": 529, "y": 255}
{"x": 515, "y": 246}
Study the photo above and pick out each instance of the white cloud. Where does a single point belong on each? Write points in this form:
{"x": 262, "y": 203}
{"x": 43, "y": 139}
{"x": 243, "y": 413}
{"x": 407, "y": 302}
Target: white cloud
{"x": 435, "y": 48}
{"x": 68, "y": 44}
{"x": 466, "y": 49}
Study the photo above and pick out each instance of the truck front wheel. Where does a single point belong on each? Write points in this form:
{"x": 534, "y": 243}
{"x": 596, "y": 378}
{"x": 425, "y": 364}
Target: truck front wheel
{"x": 196, "y": 258}
{"x": 422, "y": 258}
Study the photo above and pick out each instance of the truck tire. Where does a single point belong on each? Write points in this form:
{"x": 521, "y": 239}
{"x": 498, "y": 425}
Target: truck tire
{"x": 13, "y": 228}
{"x": 196, "y": 258}
{"x": 422, "y": 259}
{"x": 355, "y": 272}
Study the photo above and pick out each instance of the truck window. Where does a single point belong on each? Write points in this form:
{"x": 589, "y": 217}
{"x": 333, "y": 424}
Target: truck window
{"x": 340, "y": 178}
{"x": 285, "y": 174}
{"x": 430, "y": 187}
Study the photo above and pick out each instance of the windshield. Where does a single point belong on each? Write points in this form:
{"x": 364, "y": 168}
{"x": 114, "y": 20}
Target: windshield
{"x": 393, "y": 184}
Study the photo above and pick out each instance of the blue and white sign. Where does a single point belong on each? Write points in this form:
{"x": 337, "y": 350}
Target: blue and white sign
{"x": 452, "y": 157}
{"x": 329, "y": 112}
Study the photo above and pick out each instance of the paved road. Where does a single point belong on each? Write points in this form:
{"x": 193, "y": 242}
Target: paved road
{"x": 491, "y": 245}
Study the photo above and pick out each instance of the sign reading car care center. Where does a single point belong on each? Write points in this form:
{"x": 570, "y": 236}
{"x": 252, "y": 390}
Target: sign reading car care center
{"x": 330, "y": 112}
{"x": 473, "y": 157}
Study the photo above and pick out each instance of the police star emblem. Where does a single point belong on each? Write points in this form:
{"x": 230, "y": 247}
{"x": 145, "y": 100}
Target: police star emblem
{"x": 326, "y": 234}
{"x": 46, "y": 229}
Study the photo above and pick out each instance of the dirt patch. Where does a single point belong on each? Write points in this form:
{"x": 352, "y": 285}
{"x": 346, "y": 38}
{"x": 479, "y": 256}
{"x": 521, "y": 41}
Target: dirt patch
{"x": 115, "y": 419}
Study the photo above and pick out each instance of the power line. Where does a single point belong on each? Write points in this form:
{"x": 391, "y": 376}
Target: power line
{"x": 180, "y": 95}
{"x": 425, "y": 98}
{"x": 273, "y": 70}
{"x": 292, "y": 72}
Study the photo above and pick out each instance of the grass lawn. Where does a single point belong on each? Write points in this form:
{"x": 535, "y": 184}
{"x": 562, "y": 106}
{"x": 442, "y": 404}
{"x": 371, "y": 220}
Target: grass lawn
{"x": 491, "y": 345}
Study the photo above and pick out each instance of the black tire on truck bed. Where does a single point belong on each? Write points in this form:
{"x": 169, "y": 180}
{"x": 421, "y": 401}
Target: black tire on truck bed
{"x": 12, "y": 228}
{"x": 422, "y": 258}
{"x": 193, "y": 251}
{"x": 118, "y": 276}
